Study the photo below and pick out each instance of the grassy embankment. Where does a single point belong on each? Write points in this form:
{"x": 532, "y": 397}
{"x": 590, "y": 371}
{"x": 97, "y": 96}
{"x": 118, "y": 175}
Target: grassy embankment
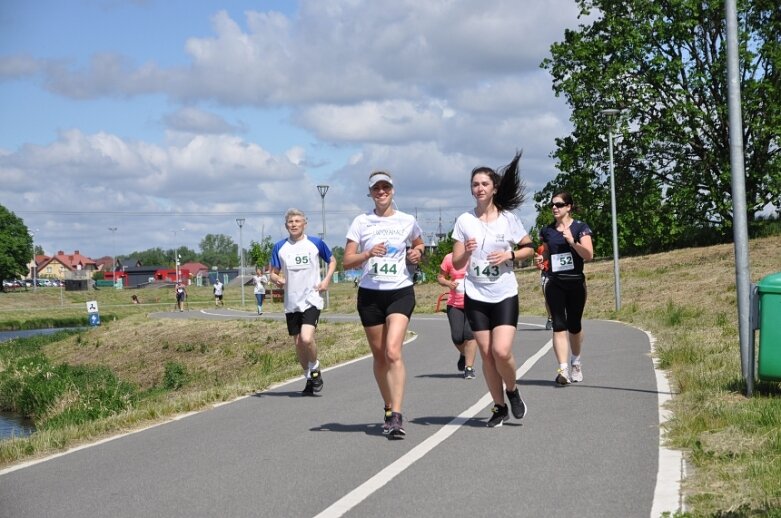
{"x": 685, "y": 298}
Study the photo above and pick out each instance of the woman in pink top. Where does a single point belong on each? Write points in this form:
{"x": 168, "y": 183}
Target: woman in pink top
{"x": 460, "y": 332}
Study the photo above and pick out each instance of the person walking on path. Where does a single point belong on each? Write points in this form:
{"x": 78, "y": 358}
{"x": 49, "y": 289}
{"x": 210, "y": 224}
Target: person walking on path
{"x": 485, "y": 242}
{"x": 567, "y": 245}
{"x": 460, "y": 332}
{"x": 382, "y": 242}
{"x": 181, "y": 295}
{"x": 259, "y": 280}
{"x": 295, "y": 266}
{"x": 219, "y": 289}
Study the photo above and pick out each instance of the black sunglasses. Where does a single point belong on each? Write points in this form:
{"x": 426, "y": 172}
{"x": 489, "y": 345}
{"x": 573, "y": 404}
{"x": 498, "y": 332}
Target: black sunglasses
{"x": 558, "y": 204}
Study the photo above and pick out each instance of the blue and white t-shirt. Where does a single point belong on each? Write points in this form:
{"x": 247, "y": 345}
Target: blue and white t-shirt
{"x": 298, "y": 261}
{"x": 397, "y": 231}
{"x": 486, "y": 282}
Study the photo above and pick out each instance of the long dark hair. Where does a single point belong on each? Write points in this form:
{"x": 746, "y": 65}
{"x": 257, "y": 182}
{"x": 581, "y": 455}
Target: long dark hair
{"x": 510, "y": 188}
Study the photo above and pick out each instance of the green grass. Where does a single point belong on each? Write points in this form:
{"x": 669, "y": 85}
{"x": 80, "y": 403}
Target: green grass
{"x": 685, "y": 298}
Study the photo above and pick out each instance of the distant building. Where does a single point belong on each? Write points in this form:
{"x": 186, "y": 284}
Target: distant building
{"x": 64, "y": 266}
{"x": 196, "y": 269}
{"x": 139, "y": 276}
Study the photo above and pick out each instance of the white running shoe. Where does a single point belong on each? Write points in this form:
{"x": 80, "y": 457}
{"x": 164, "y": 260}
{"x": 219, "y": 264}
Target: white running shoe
{"x": 562, "y": 376}
{"x": 576, "y": 373}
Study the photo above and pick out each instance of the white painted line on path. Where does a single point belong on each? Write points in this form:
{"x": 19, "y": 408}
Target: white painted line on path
{"x": 359, "y": 494}
{"x": 667, "y": 494}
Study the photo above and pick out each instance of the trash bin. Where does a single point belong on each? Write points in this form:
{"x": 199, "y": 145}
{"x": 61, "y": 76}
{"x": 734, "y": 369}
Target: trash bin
{"x": 769, "y": 292}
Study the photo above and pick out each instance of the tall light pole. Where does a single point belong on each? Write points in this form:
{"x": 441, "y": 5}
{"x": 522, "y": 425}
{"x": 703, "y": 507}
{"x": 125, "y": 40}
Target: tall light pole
{"x": 323, "y": 189}
{"x": 35, "y": 263}
{"x": 611, "y": 114}
{"x": 176, "y": 254}
{"x": 240, "y": 223}
{"x": 113, "y": 231}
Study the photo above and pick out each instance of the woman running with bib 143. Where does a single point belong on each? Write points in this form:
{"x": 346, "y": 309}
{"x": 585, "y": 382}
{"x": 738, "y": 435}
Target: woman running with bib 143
{"x": 485, "y": 241}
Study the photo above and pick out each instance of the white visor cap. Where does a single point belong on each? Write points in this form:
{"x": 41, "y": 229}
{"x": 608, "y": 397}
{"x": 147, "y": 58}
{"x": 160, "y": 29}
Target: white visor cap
{"x": 380, "y": 177}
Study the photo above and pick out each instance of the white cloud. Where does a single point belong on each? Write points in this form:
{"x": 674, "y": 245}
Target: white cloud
{"x": 428, "y": 90}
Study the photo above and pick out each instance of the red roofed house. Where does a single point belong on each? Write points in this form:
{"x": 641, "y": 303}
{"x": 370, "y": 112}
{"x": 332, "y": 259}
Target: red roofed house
{"x": 104, "y": 263}
{"x": 67, "y": 266}
{"x": 196, "y": 269}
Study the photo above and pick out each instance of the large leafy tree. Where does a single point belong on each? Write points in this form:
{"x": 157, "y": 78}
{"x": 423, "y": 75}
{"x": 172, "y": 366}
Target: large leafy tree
{"x": 16, "y": 245}
{"x": 219, "y": 250}
{"x": 259, "y": 254}
{"x": 663, "y": 63}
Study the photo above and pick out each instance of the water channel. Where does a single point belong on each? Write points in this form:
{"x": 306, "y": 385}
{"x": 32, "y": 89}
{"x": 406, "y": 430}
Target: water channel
{"x": 14, "y": 425}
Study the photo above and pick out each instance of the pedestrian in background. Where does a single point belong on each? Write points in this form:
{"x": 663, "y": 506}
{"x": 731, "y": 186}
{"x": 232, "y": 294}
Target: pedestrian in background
{"x": 218, "y": 290}
{"x": 260, "y": 280}
{"x": 181, "y": 295}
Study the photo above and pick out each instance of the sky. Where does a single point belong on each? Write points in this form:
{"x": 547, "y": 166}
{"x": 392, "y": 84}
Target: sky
{"x": 170, "y": 119}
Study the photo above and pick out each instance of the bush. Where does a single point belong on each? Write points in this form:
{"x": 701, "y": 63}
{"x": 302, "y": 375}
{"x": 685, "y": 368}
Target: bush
{"x": 175, "y": 375}
{"x": 57, "y": 396}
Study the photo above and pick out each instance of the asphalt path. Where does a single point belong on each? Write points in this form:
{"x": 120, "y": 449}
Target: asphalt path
{"x": 588, "y": 449}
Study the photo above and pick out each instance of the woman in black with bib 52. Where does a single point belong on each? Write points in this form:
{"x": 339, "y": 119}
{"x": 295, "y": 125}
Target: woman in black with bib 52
{"x": 567, "y": 244}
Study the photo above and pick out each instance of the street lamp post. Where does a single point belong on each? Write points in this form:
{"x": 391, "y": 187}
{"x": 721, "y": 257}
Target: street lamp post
{"x": 323, "y": 189}
{"x": 240, "y": 223}
{"x": 113, "y": 231}
{"x": 176, "y": 254}
{"x": 35, "y": 263}
{"x": 611, "y": 114}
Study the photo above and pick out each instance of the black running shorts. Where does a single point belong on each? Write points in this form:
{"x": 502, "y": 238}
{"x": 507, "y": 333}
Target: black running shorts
{"x": 374, "y": 306}
{"x": 484, "y": 316}
{"x": 297, "y": 319}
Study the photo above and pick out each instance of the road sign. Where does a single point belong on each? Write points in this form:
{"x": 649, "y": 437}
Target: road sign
{"x": 92, "y": 306}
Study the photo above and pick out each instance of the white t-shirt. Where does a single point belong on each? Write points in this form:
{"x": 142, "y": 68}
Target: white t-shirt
{"x": 260, "y": 283}
{"x": 218, "y": 288}
{"x": 397, "y": 231}
{"x": 484, "y": 282}
{"x": 298, "y": 261}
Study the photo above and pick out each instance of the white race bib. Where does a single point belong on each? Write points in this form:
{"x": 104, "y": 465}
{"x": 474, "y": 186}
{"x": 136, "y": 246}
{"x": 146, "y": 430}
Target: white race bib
{"x": 387, "y": 268}
{"x": 299, "y": 262}
{"x": 482, "y": 271}
{"x": 562, "y": 262}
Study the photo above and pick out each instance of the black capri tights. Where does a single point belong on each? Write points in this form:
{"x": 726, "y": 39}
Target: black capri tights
{"x": 566, "y": 301}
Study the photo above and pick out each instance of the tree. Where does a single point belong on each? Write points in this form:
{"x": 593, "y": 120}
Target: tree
{"x": 664, "y": 64}
{"x": 151, "y": 257}
{"x": 16, "y": 245}
{"x": 260, "y": 253}
{"x": 431, "y": 263}
{"x": 219, "y": 250}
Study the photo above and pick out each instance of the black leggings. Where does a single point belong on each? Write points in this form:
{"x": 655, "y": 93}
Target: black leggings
{"x": 566, "y": 300}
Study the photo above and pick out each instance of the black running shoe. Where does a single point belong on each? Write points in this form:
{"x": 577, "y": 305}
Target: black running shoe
{"x": 386, "y": 425}
{"x": 517, "y": 404}
{"x": 549, "y": 324}
{"x": 469, "y": 373}
{"x": 309, "y": 390}
{"x": 498, "y": 416}
{"x": 461, "y": 362}
{"x": 396, "y": 430}
{"x": 317, "y": 380}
